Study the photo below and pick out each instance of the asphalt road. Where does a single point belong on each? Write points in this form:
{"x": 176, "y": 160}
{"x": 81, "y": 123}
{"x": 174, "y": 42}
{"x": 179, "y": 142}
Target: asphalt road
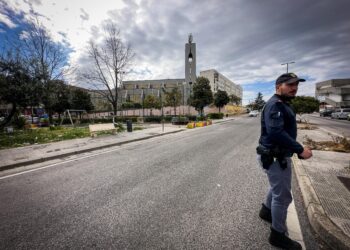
{"x": 199, "y": 189}
{"x": 341, "y": 127}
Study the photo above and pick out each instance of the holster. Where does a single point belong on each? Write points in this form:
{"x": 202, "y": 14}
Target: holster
{"x": 283, "y": 163}
{"x": 266, "y": 160}
{"x": 268, "y": 156}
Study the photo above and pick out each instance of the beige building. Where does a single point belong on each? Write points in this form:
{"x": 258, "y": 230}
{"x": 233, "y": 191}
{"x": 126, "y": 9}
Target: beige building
{"x": 334, "y": 92}
{"x": 135, "y": 90}
{"x": 220, "y": 82}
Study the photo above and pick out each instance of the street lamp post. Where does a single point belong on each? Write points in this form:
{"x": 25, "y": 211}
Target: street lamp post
{"x": 143, "y": 103}
{"x": 161, "y": 103}
{"x": 287, "y": 63}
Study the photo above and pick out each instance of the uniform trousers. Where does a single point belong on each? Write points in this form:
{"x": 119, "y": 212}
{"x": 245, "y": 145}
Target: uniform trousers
{"x": 279, "y": 195}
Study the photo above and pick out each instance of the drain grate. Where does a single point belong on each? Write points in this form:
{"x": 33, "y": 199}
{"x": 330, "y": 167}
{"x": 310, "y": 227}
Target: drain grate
{"x": 345, "y": 181}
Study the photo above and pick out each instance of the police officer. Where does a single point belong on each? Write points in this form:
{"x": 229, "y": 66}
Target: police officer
{"x": 277, "y": 144}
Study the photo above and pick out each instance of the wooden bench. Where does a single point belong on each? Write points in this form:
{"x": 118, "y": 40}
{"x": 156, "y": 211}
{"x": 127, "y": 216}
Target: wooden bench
{"x": 101, "y": 127}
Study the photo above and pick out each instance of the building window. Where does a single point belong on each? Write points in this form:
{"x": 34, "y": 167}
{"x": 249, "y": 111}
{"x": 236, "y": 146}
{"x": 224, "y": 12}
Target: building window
{"x": 216, "y": 77}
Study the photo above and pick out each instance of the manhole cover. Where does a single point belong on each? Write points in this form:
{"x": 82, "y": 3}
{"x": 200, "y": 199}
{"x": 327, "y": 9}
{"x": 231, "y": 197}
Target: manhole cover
{"x": 345, "y": 181}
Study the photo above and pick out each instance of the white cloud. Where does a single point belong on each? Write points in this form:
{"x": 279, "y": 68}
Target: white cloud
{"x": 84, "y": 16}
{"x": 245, "y": 40}
{"x": 7, "y": 21}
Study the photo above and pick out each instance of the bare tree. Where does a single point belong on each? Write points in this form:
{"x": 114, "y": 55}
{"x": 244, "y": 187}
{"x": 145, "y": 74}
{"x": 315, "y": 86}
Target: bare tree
{"x": 109, "y": 60}
{"x": 34, "y": 56}
{"x": 45, "y": 60}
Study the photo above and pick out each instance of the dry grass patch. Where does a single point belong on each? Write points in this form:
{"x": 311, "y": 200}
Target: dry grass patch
{"x": 306, "y": 126}
{"x": 338, "y": 144}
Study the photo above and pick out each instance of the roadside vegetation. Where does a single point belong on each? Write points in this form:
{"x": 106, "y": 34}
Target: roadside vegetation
{"x": 306, "y": 125}
{"x": 27, "y": 137}
{"x": 338, "y": 144}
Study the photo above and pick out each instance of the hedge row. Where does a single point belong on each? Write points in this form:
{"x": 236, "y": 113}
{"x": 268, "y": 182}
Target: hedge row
{"x": 157, "y": 119}
{"x": 216, "y": 115}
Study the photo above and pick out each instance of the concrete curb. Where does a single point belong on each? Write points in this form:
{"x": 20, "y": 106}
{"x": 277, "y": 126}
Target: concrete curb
{"x": 43, "y": 159}
{"x": 323, "y": 226}
{"x": 223, "y": 121}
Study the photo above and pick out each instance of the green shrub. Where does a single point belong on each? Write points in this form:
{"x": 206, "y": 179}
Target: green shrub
{"x": 153, "y": 119}
{"x": 55, "y": 128}
{"x": 216, "y": 115}
{"x": 19, "y": 122}
{"x": 123, "y": 119}
{"x": 167, "y": 118}
{"x": 120, "y": 127}
{"x": 201, "y": 118}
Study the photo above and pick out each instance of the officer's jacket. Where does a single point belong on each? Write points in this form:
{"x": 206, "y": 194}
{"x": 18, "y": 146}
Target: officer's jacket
{"x": 278, "y": 126}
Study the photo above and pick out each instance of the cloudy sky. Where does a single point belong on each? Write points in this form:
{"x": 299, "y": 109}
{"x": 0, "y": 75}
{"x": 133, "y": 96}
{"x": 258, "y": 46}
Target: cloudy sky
{"x": 247, "y": 41}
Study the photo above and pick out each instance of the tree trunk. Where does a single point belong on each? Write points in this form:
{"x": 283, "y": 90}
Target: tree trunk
{"x": 219, "y": 109}
{"x": 114, "y": 108}
{"x": 9, "y": 117}
{"x": 50, "y": 117}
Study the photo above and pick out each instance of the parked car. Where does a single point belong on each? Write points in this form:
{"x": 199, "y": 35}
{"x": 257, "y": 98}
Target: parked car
{"x": 341, "y": 113}
{"x": 334, "y": 115}
{"x": 179, "y": 120}
{"x": 326, "y": 112}
{"x": 253, "y": 113}
{"x": 344, "y": 113}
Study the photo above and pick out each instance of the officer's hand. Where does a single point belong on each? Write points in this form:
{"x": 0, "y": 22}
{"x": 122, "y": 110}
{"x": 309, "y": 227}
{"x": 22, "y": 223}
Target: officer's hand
{"x": 306, "y": 154}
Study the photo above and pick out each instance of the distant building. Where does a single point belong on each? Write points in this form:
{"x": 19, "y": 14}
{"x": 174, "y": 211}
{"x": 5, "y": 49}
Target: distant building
{"x": 99, "y": 101}
{"x": 334, "y": 92}
{"x": 220, "y": 82}
{"x": 190, "y": 61}
{"x": 134, "y": 91}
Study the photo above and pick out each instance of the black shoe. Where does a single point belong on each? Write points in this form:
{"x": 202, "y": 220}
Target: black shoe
{"x": 278, "y": 239}
{"x": 265, "y": 213}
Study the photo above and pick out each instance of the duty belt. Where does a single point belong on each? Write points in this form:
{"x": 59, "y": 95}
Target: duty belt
{"x": 268, "y": 156}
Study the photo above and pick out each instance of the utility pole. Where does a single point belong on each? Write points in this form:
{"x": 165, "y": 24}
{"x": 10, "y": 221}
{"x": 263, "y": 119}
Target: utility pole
{"x": 287, "y": 63}
{"x": 161, "y": 103}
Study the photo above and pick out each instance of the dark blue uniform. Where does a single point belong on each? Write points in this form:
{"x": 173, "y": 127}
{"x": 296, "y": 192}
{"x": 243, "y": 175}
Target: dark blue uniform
{"x": 278, "y": 126}
{"x": 279, "y": 129}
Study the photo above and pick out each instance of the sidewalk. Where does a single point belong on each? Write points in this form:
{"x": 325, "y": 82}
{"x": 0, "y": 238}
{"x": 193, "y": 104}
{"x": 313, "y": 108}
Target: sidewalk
{"x": 326, "y": 198}
{"x": 23, "y": 156}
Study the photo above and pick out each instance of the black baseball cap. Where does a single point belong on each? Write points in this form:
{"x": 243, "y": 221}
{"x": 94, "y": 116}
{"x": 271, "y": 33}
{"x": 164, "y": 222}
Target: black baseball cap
{"x": 288, "y": 78}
